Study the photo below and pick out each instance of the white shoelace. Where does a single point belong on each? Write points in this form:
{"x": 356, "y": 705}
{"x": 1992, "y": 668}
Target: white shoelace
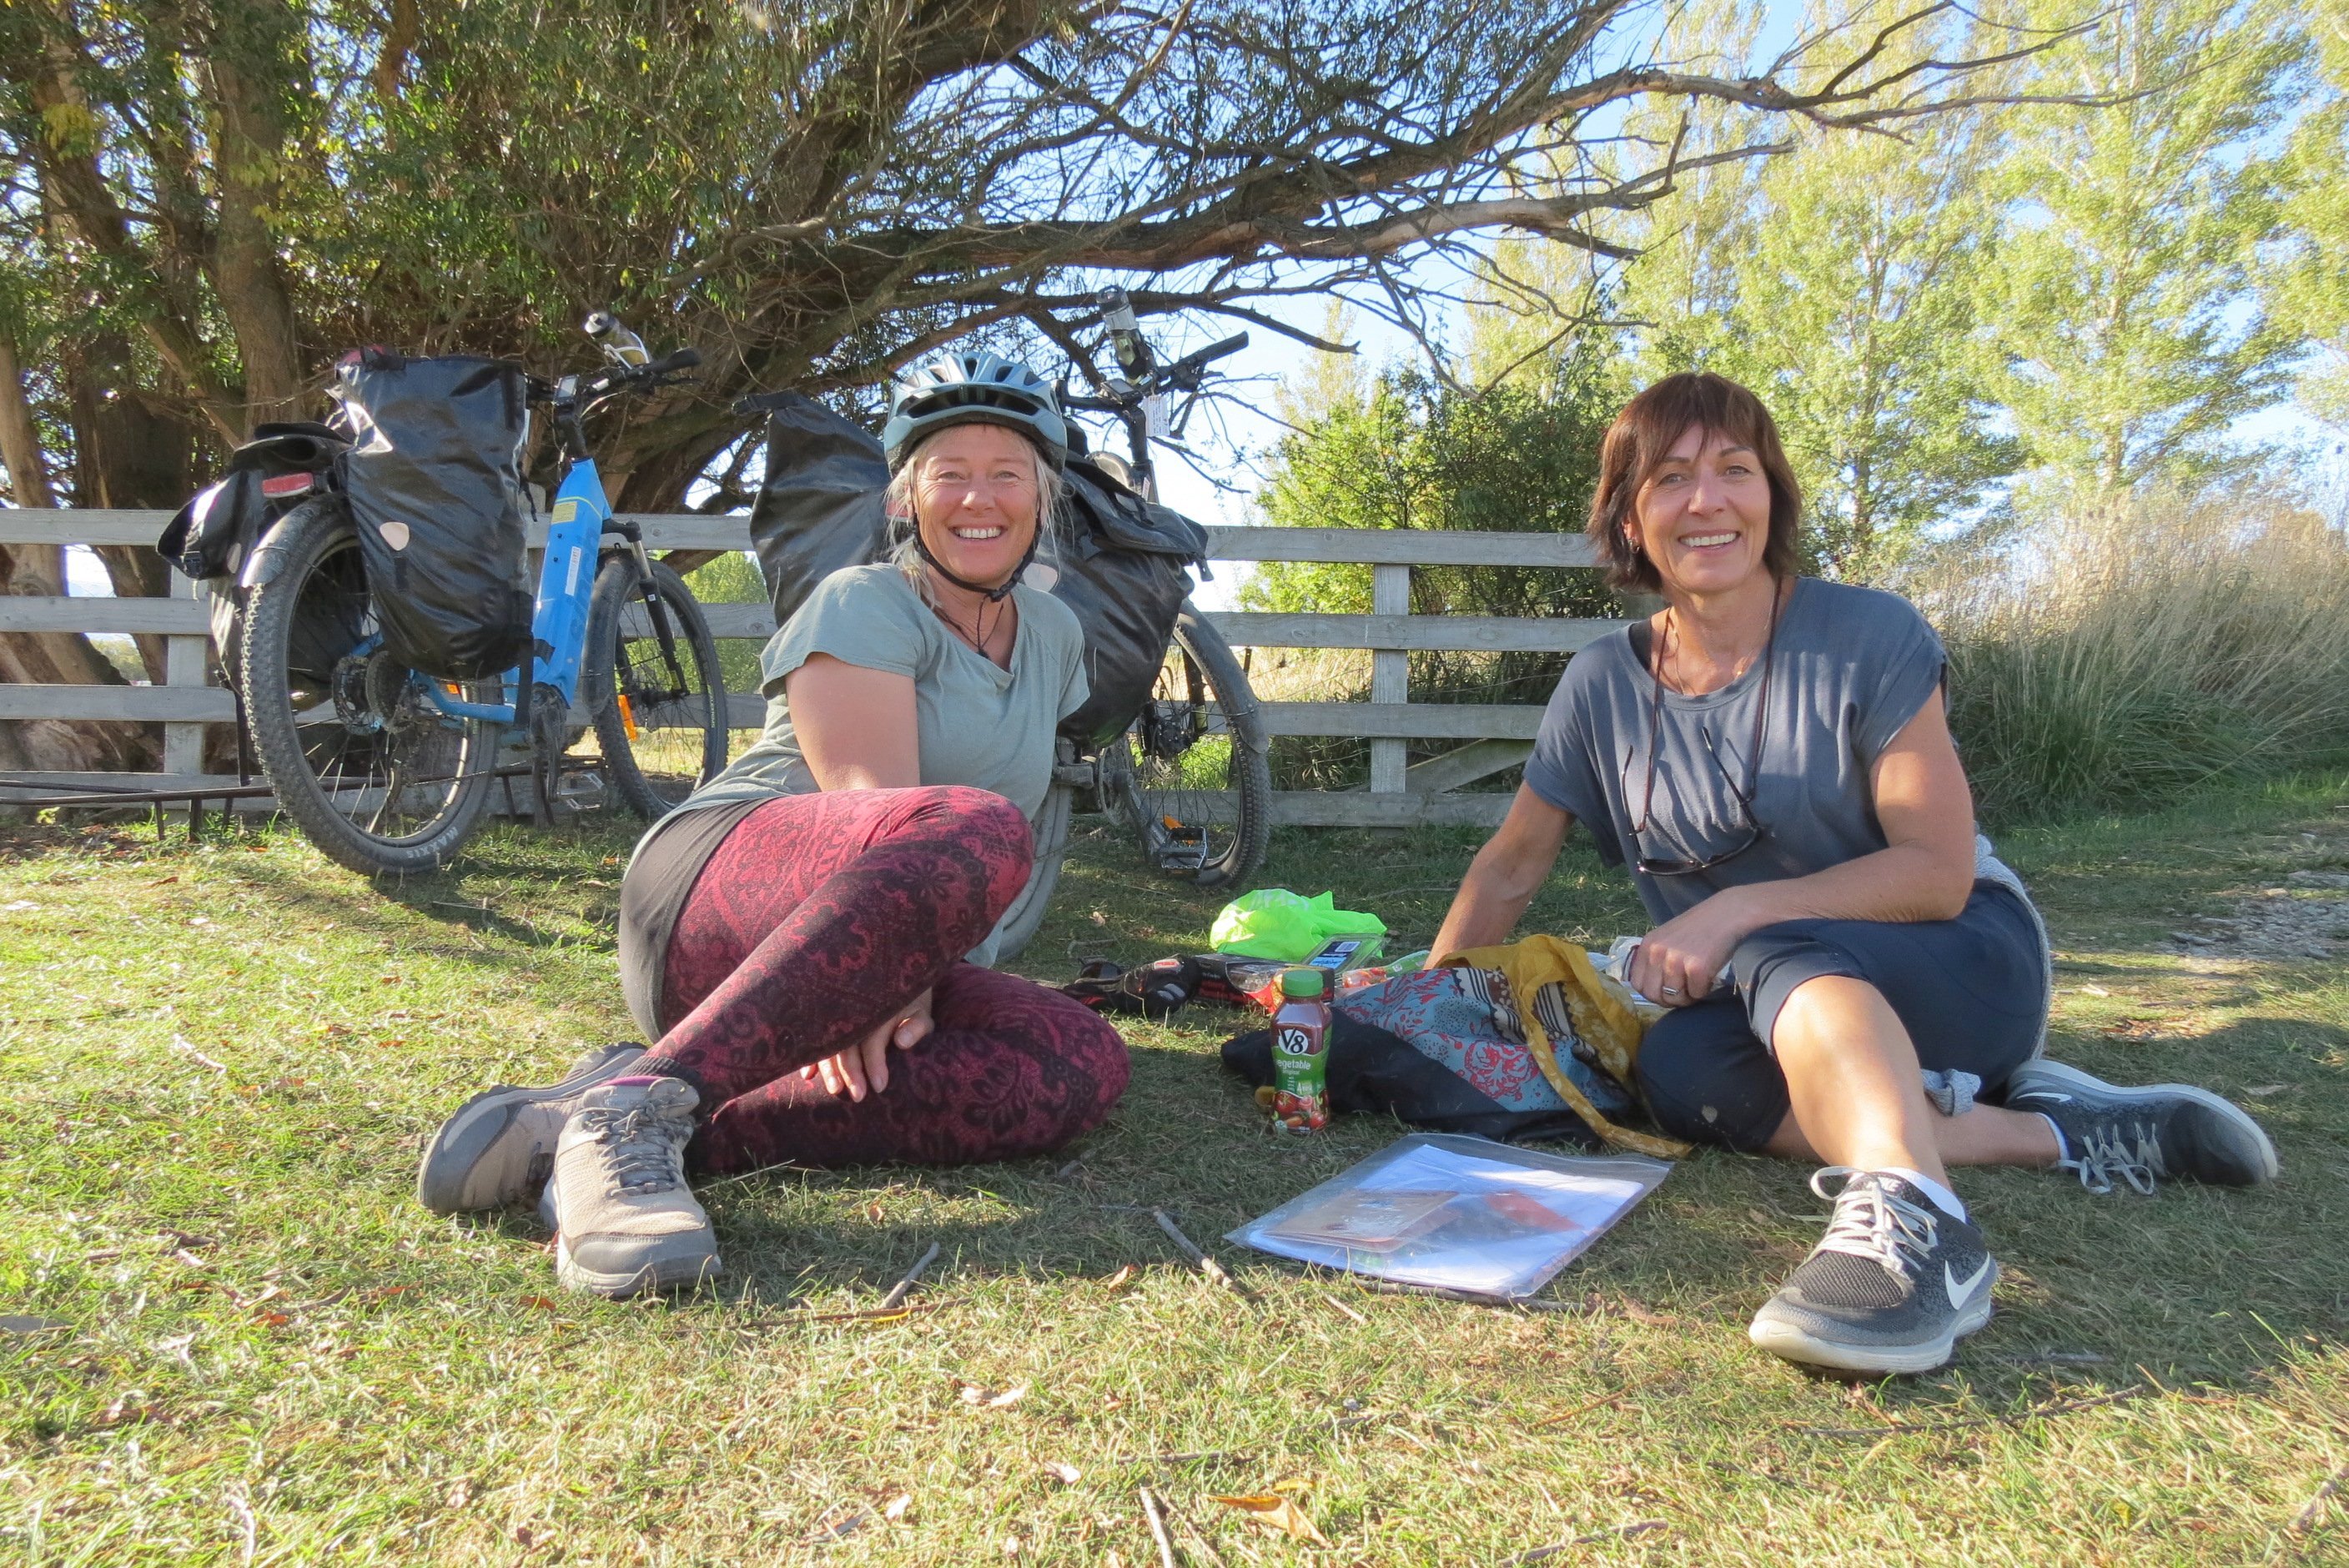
{"x": 641, "y": 1147}
{"x": 2107, "y": 1152}
{"x": 1871, "y": 1222}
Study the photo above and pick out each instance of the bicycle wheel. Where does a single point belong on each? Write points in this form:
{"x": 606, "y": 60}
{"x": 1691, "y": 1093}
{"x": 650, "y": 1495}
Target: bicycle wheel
{"x": 1189, "y": 776}
{"x": 658, "y": 706}
{"x": 371, "y": 772}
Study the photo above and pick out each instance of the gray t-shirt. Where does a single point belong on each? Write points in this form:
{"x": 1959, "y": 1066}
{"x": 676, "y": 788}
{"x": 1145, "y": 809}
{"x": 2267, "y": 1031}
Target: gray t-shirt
{"x": 975, "y": 723}
{"x": 1852, "y": 666}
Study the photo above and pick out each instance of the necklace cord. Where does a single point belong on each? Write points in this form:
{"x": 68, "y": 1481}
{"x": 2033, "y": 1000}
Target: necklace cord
{"x": 1761, "y": 715}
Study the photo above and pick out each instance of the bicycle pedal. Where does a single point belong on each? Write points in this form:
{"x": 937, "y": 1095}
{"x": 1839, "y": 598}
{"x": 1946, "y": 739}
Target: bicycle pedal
{"x": 580, "y": 791}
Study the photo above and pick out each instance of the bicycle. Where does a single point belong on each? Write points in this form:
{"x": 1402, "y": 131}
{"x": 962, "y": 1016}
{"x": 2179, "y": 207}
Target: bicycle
{"x": 388, "y": 771}
{"x": 1190, "y": 774}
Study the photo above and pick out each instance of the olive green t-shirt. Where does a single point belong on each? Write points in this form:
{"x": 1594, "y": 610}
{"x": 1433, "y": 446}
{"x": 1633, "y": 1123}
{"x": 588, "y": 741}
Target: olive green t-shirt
{"x": 975, "y": 723}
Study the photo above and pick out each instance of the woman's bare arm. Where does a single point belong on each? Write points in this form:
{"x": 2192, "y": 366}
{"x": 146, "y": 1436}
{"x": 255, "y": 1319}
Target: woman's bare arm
{"x": 1504, "y": 875}
{"x": 856, "y": 726}
{"x": 1925, "y": 872}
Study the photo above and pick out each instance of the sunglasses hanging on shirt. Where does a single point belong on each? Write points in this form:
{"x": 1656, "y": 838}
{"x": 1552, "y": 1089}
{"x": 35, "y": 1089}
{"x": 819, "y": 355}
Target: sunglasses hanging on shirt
{"x": 1753, "y": 831}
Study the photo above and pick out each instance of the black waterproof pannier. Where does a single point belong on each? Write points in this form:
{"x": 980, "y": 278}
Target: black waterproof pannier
{"x": 435, "y": 486}
{"x": 1122, "y": 561}
{"x": 209, "y": 538}
{"x": 212, "y": 537}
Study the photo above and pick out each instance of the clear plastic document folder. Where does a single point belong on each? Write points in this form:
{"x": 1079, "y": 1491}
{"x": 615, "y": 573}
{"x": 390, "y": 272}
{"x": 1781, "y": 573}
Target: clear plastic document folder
{"x": 1461, "y": 1214}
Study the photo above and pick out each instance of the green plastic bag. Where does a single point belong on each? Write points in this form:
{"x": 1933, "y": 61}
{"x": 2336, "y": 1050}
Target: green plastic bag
{"x": 1274, "y": 922}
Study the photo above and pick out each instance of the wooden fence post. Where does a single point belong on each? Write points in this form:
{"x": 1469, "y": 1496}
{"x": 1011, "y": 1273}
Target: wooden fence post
{"x": 1390, "y": 675}
{"x": 184, "y": 666}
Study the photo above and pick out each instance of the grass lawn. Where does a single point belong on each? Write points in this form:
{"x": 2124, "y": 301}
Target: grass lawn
{"x": 232, "y": 1335}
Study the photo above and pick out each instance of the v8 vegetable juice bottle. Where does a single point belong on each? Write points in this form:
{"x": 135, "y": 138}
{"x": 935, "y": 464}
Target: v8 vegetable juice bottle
{"x": 1300, "y": 1054}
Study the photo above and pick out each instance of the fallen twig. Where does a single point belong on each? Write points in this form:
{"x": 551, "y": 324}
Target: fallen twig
{"x": 196, "y": 1056}
{"x": 715, "y": 1182}
{"x": 1158, "y": 1530}
{"x": 1903, "y": 1428}
{"x": 1620, "y": 1533}
{"x": 247, "y": 1522}
{"x": 1617, "y": 1397}
{"x": 1208, "y": 1265}
{"x": 1199, "y": 1457}
{"x": 1445, "y": 1292}
{"x": 2305, "y": 1520}
{"x": 115, "y": 1011}
{"x": 1348, "y": 1310}
{"x": 1337, "y": 1424}
{"x": 898, "y": 1292}
{"x": 863, "y": 1315}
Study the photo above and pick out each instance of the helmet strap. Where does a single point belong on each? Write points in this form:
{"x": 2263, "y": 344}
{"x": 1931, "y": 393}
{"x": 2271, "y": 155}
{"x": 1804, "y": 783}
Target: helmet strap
{"x": 992, "y": 595}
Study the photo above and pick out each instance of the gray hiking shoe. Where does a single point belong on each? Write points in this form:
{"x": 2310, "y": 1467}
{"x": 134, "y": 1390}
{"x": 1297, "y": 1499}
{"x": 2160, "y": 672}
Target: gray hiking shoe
{"x": 499, "y": 1146}
{"x": 1891, "y": 1287}
{"x": 617, "y": 1202}
{"x": 2139, "y": 1135}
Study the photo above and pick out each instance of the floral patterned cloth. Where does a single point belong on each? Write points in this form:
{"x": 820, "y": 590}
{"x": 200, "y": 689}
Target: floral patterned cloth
{"x": 1467, "y": 1019}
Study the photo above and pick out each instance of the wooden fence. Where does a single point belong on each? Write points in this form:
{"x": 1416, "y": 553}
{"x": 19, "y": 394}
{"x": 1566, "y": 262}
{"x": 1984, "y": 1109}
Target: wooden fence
{"x": 1491, "y": 736}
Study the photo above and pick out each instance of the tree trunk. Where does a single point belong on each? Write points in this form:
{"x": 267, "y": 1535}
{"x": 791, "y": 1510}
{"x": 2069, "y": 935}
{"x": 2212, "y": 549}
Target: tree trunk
{"x": 249, "y": 47}
{"x": 128, "y": 455}
{"x": 28, "y": 476}
{"x": 49, "y": 658}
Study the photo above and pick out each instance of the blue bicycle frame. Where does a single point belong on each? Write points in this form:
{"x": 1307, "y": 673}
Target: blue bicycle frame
{"x": 566, "y": 579}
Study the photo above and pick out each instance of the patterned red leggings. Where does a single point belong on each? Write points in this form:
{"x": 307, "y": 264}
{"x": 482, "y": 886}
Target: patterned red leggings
{"x": 817, "y": 919}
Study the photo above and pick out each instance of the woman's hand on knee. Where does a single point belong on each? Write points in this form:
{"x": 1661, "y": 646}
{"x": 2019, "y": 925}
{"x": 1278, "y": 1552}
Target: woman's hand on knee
{"x": 1677, "y": 961}
{"x": 863, "y": 1068}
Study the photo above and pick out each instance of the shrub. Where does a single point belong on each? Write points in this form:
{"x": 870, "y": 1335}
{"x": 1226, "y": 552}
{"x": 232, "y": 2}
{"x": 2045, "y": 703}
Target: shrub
{"x": 2119, "y": 656}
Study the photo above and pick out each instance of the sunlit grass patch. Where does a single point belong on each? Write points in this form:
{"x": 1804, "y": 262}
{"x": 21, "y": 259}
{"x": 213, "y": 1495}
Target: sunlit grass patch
{"x": 209, "y": 1140}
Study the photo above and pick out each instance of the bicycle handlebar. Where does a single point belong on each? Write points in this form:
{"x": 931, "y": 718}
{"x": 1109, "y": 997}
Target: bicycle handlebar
{"x": 673, "y": 361}
{"x": 1183, "y": 375}
{"x": 1184, "y": 372}
{"x": 614, "y": 380}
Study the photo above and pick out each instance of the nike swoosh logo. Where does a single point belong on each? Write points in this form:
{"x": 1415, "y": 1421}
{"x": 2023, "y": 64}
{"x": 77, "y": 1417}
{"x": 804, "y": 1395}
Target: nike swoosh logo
{"x": 1959, "y": 1291}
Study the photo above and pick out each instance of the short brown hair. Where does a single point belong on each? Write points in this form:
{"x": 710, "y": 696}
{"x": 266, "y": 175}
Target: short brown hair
{"x": 1642, "y": 435}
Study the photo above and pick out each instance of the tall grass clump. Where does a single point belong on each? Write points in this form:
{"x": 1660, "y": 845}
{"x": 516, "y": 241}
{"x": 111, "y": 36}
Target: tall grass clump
{"x": 2117, "y": 657}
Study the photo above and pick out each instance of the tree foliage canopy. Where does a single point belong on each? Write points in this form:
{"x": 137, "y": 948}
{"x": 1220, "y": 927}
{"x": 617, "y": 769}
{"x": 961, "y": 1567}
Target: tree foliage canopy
{"x": 213, "y": 197}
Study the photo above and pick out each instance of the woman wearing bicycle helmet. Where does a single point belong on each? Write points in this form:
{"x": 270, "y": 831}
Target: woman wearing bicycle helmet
{"x": 806, "y": 937}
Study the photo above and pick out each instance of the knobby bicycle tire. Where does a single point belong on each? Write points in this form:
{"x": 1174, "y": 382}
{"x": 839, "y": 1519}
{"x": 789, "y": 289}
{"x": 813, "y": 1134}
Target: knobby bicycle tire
{"x": 662, "y": 728}
{"x": 1191, "y": 776}
{"x": 376, "y": 778}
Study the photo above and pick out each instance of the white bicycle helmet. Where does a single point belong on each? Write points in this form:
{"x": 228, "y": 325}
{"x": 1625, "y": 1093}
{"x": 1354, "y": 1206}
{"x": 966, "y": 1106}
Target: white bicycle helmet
{"x": 975, "y": 388}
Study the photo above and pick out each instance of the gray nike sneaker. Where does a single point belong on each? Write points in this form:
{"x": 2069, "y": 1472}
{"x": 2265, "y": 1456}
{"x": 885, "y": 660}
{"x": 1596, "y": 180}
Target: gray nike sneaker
{"x": 499, "y": 1145}
{"x": 617, "y": 1202}
{"x": 1891, "y": 1287}
{"x": 2141, "y": 1134}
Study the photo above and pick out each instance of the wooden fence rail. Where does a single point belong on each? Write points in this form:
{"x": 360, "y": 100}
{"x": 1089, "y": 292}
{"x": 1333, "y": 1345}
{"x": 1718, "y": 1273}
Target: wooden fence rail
{"x": 1492, "y": 737}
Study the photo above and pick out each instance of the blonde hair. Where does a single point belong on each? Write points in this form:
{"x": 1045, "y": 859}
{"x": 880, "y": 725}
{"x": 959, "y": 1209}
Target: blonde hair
{"x": 903, "y": 551}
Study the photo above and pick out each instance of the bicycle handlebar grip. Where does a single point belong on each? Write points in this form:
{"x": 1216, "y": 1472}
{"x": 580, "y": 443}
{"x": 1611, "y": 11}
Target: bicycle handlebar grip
{"x": 676, "y": 359}
{"x": 1214, "y": 351}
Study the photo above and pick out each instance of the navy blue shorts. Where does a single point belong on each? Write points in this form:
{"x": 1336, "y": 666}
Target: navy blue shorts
{"x": 1971, "y": 992}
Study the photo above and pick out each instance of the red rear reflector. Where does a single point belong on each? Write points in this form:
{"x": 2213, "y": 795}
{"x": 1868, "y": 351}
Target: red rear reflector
{"x": 287, "y": 484}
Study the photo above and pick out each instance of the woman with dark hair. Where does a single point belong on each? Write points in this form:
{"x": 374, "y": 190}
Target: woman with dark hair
{"x": 832, "y": 897}
{"x": 1846, "y": 965}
